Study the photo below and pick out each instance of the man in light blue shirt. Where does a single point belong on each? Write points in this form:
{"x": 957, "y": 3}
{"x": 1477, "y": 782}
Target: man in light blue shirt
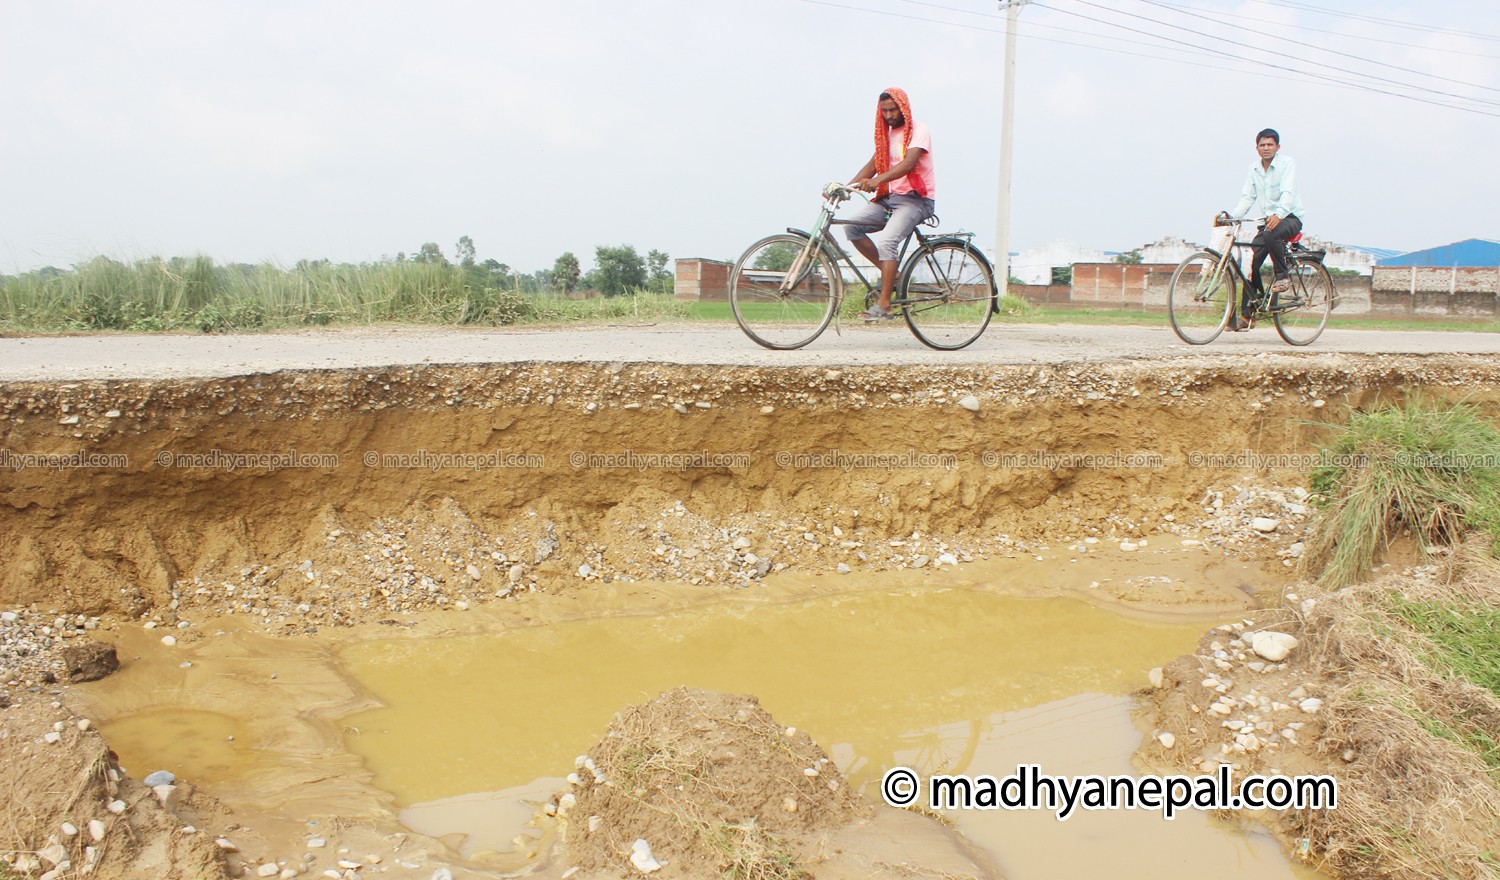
{"x": 1272, "y": 182}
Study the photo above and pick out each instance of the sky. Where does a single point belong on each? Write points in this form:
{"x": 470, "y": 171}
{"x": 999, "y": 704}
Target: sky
{"x": 352, "y": 131}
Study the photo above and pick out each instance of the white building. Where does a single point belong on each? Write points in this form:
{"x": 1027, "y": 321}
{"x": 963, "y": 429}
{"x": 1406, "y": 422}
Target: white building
{"x": 1035, "y": 266}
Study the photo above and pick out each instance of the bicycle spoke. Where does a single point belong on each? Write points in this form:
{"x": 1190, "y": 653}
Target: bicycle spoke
{"x": 773, "y": 306}
{"x": 1200, "y": 297}
{"x": 947, "y": 294}
{"x": 1312, "y": 293}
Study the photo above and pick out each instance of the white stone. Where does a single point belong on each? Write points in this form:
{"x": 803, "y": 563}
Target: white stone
{"x": 53, "y": 854}
{"x": 1311, "y": 705}
{"x": 1264, "y": 524}
{"x": 96, "y": 830}
{"x": 1155, "y": 677}
{"x": 226, "y": 845}
{"x": 641, "y": 858}
{"x": 473, "y": 571}
{"x": 1128, "y": 547}
{"x": 169, "y": 641}
{"x": 1273, "y": 646}
{"x": 269, "y": 869}
{"x": 947, "y": 559}
{"x": 969, "y": 402}
{"x": 317, "y": 843}
{"x": 1167, "y": 740}
{"x": 69, "y": 829}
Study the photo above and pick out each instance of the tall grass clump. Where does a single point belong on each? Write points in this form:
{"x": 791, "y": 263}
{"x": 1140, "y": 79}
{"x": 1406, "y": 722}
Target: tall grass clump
{"x": 1417, "y": 467}
{"x": 194, "y": 293}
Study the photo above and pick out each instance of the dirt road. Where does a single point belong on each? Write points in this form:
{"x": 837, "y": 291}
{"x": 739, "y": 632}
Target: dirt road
{"x": 167, "y": 356}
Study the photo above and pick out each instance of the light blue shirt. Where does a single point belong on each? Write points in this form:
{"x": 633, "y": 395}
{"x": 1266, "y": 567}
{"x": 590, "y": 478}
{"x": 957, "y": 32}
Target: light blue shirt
{"x": 1276, "y": 189}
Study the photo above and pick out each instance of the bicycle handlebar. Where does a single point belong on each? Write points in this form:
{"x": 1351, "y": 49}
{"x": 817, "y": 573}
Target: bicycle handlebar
{"x": 838, "y": 193}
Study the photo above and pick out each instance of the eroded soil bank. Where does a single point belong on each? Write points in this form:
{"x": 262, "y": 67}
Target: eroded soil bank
{"x": 294, "y": 502}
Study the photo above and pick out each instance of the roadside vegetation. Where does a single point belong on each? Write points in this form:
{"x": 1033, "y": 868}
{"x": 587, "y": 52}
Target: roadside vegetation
{"x": 1412, "y": 671}
{"x": 196, "y": 294}
{"x": 1417, "y": 468}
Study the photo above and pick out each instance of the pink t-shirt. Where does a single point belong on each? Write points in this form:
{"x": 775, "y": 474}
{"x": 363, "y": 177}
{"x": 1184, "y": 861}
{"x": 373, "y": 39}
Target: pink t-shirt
{"x": 920, "y": 139}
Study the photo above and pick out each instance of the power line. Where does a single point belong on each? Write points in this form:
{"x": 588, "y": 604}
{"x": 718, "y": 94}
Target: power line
{"x": 1302, "y": 27}
{"x": 1319, "y": 76}
{"x": 1388, "y": 22}
{"x": 1259, "y": 69}
{"x": 1334, "y": 67}
{"x": 1285, "y": 39}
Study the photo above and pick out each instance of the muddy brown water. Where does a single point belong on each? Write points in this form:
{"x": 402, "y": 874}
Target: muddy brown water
{"x": 462, "y": 729}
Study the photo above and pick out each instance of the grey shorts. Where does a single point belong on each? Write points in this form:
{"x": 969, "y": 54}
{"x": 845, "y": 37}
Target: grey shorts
{"x": 897, "y": 214}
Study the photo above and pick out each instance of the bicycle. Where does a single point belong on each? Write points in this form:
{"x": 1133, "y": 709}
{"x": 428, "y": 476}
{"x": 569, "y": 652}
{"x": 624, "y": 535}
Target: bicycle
{"x": 1202, "y": 293}
{"x": 787, "y": 288}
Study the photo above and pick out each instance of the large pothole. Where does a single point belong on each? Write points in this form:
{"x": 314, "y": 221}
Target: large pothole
{"x": 286, "y": 504}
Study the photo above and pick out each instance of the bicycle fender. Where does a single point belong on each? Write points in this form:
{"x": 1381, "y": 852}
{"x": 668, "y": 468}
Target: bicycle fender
{"x": 828, "y": 245}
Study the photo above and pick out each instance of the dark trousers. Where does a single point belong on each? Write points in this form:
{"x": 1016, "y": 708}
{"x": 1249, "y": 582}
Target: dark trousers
{"x": 1273, "y": 242}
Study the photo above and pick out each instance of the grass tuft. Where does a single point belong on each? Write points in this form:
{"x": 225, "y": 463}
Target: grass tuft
{"x": 1418, "y": 467}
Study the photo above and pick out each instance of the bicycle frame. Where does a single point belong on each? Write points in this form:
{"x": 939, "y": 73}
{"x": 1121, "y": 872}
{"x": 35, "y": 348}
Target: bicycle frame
{"x": 819, "y": 237}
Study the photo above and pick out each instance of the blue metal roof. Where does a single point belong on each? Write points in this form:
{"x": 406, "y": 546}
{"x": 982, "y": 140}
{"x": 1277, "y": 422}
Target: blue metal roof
{"x": 1469, "y": 252}
{"x": 1377, "y": 253}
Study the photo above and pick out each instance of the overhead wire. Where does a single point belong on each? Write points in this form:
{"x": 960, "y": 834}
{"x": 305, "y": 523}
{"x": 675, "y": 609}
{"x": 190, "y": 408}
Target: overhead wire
{"x": 1372, "y": 19}
{"x": 1274, "y": 52}
{"x": 1285, "y": 39}
{"x": 1364, "y": 38}
{"x": 1258, "y": 70}
{"x": 1319, "y": 76}
{"x": 1257, "y": 67}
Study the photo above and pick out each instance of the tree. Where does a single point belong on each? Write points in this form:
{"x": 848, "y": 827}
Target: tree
{"x": 565, "y": 272}
{"x": 1130, "y": 257}
{"x": 430, "y": 253}
{"x": 659, "y": 279}
{"x": 1062, "y": 274}
{"x": 776, "y": 258}
{"x": 617, "y": 270}
{"x": 464, "y": 250}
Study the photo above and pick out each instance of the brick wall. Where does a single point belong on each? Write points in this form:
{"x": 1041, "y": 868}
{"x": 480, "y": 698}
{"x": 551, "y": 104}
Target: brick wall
{"x": 700, "y": 279}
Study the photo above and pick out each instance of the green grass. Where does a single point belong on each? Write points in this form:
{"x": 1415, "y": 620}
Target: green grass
{"x": 1460, "y": 641}
{"x": 1466, "y": 640}
{"x": 195, "y": 294}
{"x": 1417, "y": 466}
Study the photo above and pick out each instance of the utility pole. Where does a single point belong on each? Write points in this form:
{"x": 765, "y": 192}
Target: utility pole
{"x": 1007, "y": 117}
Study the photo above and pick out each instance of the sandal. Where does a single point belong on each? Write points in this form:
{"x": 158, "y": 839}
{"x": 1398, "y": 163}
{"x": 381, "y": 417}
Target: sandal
{"x": 875, "y": 314}
{"x": 1239, "y": 324}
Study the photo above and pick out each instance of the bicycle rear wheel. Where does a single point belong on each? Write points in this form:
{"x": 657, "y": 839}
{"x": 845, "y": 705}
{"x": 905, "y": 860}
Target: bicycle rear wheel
{"x": 947, "y": 294}
{"x": 1198, "y": 302}
{"x": 1302, "y": 320}
{"x": 782, "y": 291}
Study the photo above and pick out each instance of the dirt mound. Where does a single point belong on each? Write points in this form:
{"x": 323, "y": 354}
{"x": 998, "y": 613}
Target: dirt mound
{"x": 66, "y": 808}
{"x": 1366, "y": 697}
{"x": 712, "y": 783}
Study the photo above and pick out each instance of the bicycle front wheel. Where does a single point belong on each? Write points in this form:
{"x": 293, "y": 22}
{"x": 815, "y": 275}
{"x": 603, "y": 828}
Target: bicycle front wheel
{"x": 1200, "y": 297}
{"x": 782, "y": 291}
{"x": 947, "y": 293}
{"x": 1302, "y": 319}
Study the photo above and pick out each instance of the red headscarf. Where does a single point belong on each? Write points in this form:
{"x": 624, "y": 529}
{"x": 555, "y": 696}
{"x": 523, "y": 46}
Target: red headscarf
{"x": 883, "y": 141}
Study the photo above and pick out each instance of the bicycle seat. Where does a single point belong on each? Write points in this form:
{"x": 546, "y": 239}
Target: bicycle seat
{"x": 1294, "y": 239}
{"x": 931, "y": 221}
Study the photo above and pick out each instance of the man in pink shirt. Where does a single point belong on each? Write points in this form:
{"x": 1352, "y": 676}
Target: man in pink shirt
{"x": 900, "y": 174}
